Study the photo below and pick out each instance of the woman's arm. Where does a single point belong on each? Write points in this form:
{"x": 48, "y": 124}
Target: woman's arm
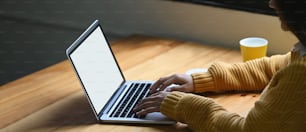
{"x": 281, "y": 107}
{"x": 251, "y": 75}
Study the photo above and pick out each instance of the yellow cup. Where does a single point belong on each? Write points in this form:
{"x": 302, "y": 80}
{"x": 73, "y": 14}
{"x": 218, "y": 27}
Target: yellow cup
{"x": 253, "y": 47}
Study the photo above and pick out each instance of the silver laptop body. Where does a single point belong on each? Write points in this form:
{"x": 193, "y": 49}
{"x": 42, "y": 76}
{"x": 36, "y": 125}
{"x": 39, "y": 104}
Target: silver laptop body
{"x": 111, "y": 97}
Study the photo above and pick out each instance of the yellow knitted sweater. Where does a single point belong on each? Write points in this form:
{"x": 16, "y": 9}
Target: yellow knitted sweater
{"x": 281, "y": 107}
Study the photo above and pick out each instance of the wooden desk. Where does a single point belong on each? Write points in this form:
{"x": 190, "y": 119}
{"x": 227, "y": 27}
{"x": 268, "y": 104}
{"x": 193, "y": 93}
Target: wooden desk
{"x": 52, "y": 99}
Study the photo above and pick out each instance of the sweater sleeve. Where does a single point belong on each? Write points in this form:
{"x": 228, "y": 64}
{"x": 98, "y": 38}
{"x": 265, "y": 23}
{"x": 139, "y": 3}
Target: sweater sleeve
{"x": 251, "y": 75}
{"x": 281, "y": 107}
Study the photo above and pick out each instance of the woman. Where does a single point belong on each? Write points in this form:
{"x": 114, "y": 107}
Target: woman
{"x": 282, "y": 104}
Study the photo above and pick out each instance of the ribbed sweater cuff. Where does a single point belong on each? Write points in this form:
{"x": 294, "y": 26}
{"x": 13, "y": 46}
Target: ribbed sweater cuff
{"x": 203, "y": 82}
{"x": 170, "y": 104}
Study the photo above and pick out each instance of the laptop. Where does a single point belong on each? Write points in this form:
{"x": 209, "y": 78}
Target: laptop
{"x": 112, "y": 98}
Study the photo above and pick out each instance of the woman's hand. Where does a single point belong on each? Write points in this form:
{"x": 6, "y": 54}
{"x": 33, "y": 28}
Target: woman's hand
{"x": 150, "y": 104}
{"x": 184, "y": 83}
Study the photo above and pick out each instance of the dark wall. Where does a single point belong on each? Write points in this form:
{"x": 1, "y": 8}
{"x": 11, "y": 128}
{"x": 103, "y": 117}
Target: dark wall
{"x": 35, "y": 33}
{"x": 256, "y": 6}
{"x": 26, "y": 46}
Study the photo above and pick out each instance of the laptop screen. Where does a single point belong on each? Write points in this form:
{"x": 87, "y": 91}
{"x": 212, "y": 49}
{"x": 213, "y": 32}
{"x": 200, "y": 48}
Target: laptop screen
{"x": 97, "y": 68}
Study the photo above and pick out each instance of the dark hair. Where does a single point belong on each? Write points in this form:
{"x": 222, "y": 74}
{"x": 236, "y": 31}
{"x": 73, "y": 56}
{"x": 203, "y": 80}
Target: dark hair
{"x": 293, "y": 14}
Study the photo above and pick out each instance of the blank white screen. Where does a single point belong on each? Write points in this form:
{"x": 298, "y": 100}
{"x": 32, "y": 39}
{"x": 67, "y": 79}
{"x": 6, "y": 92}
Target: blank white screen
{"x": 97, "y": 69}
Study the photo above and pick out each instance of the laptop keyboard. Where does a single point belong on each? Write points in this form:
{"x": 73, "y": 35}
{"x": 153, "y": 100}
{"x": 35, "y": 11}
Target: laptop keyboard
{"x": 136, "y": 93}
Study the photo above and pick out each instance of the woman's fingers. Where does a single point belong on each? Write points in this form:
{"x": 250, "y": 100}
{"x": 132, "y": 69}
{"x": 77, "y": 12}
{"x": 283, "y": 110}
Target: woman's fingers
{"x": 150, "y": 104}
{"x": 146, "y": 111}
{"x": 184, "y": 83}
{"x": 163, "y": 83}
{"x": 147, "y": 106}
{"x": 176, "y": 88}
{"x": 156, "y": 86}
{"x": 147, "y": 102}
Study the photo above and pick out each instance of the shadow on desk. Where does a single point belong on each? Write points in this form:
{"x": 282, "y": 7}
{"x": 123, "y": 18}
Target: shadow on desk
{"x": 73, "y": 111}
{"x": 74, "y": 114}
